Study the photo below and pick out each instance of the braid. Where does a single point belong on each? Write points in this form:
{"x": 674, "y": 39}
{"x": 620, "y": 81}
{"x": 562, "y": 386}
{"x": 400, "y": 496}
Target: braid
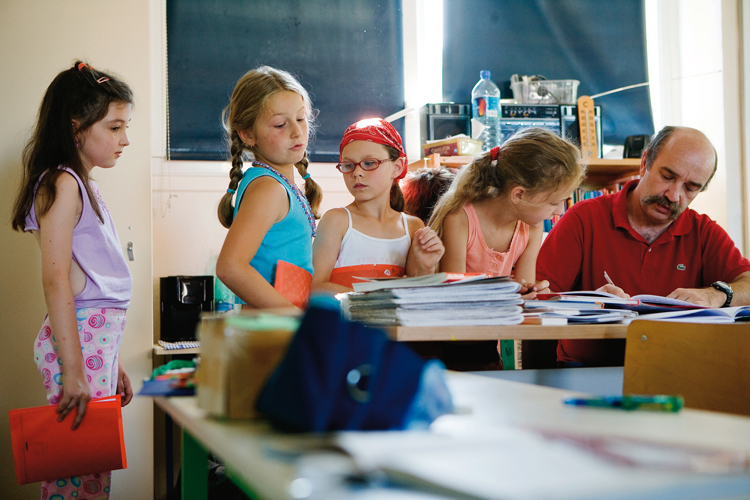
{"x": 226, "y": 208}
{"x": 313, "y": 192}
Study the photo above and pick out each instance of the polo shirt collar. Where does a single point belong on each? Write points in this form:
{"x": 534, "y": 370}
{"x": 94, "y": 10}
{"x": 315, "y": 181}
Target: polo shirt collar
{"x": 682, "y": 225}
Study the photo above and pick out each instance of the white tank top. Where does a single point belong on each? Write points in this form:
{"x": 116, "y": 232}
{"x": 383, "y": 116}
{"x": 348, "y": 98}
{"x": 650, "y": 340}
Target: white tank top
{"x": 357, "y": 248}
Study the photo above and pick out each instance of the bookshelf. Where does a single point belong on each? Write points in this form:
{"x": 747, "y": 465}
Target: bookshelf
{"x": 600, "y": 171}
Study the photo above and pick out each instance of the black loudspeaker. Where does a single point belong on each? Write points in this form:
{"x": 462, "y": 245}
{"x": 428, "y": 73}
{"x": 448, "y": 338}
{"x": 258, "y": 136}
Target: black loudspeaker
{"x": 635, "y": 145}
{"x": 183, "y": 299}
{"x": 442, "y": 120}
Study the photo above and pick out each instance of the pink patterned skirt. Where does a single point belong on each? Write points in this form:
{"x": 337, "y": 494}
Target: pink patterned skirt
{"x": 100, "y": 332}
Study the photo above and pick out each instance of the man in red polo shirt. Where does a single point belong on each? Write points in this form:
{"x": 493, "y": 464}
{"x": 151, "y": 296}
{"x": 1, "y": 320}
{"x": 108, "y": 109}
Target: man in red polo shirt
{"x": 648, "y": 241}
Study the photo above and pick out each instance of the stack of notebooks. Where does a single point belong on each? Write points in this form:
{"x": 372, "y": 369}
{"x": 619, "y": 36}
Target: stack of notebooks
{"x": 441, "y": 299}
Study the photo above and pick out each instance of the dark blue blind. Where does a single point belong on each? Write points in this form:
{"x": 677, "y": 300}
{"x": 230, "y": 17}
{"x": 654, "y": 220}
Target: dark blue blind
{"x": 601, "y": 43}
{"x": 347, "y": 54}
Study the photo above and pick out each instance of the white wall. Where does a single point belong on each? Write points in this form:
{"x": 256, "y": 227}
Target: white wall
{"x": 37, "y": 40}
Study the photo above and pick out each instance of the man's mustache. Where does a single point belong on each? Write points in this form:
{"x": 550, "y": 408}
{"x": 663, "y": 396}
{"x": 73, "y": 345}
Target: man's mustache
{"x": 662, "y": 201}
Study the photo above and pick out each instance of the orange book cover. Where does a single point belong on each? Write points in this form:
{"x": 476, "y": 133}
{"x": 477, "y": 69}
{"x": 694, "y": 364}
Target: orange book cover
{"x": 293, "y": 283}
{"x": 45, "y": 449}
{"x": 348, "y": 275}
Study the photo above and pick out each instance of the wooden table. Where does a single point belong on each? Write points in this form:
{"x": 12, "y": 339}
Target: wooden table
{"x": 492, "y": 447}
{"x": 508, "y": 332}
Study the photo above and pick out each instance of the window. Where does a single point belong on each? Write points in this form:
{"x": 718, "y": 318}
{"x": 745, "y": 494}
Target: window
{"x": 347, "y": 53}
{"x": 600, "y": 43}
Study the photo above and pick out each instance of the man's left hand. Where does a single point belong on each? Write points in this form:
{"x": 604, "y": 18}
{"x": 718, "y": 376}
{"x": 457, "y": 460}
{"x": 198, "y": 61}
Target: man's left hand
{"x": 709, "y": 297}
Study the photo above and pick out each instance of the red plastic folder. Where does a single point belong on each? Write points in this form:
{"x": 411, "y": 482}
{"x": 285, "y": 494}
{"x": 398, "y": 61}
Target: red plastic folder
{"x": 293, "y": 283}
{"x": 348, "y": 275}
{"x": 45, "y": 449}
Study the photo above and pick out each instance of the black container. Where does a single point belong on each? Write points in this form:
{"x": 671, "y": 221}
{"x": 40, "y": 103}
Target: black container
{"x": 183, "y": 299}
{"x": 443, "y": 120}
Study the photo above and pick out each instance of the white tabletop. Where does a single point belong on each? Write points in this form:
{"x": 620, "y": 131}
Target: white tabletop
{"x": 493, "y": 447}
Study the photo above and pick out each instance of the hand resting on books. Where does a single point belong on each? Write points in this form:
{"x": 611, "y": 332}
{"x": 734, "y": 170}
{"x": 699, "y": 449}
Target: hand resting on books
{"x": 529, "y": 291}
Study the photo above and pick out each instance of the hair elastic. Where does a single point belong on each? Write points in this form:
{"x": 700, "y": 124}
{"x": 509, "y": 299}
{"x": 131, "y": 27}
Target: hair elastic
{"x": 493, "y": 153}
{"x": 306, "y": 176}
{"x": 230, "y": 191}
{"x": 81, "y": 66}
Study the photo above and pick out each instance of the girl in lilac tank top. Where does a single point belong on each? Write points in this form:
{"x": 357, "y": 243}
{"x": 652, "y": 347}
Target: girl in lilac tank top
{"x": 87, "y": 284}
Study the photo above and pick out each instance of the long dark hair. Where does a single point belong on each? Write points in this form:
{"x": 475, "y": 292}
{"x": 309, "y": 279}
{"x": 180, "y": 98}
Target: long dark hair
{"x": 79, "y": 93}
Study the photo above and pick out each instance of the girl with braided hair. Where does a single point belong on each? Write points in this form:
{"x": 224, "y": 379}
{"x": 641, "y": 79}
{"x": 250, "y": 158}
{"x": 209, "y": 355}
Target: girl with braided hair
{"x": 268, "y": 119}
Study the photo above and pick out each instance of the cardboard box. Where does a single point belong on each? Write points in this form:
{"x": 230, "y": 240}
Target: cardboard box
{"x": 453, "y": 146}
{"x": 238, "y": 354}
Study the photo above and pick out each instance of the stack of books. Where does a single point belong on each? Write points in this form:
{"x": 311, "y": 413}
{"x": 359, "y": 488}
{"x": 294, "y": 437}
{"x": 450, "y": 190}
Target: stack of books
{"x": 441, "y": 299}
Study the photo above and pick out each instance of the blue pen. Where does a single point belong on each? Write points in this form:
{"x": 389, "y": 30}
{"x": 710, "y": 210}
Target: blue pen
{"x": 631, "y": 402}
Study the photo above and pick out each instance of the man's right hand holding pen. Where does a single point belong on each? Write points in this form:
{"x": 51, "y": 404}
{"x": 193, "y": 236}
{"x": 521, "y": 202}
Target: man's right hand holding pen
{"x": 610, "y": 287}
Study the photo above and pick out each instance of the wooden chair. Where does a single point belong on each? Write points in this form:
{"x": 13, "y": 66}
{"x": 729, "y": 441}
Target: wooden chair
{"x": 708, "y": 364}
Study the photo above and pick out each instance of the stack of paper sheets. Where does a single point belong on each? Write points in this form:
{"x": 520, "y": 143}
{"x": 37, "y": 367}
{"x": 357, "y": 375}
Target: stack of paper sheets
{"x": 473, "y": 301}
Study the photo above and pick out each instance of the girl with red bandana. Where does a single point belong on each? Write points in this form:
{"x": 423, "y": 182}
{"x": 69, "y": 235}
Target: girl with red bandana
{"x": 372, "y": 237}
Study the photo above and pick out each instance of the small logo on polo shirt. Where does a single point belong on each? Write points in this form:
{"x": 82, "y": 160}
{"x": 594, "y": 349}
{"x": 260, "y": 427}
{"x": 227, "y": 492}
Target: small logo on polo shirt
{"x": 681, "y": 267}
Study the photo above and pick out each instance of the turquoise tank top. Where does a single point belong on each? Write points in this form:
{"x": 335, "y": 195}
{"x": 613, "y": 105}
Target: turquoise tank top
{"x": 289, "y": 240}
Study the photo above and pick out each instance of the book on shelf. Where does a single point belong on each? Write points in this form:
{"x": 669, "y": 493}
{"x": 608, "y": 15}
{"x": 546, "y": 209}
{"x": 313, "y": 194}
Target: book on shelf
{"x": 706, "y": 315}
{"x": 370, "y": 284}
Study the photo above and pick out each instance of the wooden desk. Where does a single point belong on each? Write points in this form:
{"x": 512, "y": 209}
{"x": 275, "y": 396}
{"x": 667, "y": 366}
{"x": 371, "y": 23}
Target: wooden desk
{"x": 510, "y": 332}
{"x": 485, "y": 449}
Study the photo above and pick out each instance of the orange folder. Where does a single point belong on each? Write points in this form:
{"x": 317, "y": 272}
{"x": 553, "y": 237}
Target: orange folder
{"x": 45, "y": 449}
{"x": 347, "y": 275}
{"x": 293, "y": 283}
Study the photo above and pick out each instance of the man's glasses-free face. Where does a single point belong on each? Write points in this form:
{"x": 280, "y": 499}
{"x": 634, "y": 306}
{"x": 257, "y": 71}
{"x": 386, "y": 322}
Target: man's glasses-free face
{"x": 347, "y": 167}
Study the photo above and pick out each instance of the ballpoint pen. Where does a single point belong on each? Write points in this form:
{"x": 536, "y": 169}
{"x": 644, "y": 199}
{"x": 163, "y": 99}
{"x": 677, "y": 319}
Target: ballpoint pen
{"x": 609, "y": 280}
{"x": 631, "y": 402}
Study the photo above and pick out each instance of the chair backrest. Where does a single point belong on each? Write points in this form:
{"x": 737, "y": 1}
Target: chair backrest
{"x": 708, "y": 364}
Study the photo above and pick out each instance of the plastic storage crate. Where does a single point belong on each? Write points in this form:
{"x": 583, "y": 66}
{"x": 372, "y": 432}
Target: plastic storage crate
{"x": 545, "y": 91}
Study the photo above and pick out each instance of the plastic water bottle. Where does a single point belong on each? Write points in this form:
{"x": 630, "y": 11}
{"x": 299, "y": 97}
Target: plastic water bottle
{"x": 485, "y": 111}
{"x": 224, "y": 298}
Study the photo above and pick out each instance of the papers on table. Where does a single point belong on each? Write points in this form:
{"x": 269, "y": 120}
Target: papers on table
{"x": 372, "y": 284}
{"x": 640, "y": 303}
{"x": 723, "y": 315}
{"x": 476, "y": 301}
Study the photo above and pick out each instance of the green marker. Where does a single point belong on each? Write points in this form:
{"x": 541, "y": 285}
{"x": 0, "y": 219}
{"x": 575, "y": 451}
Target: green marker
{"x": 631, "y": 402}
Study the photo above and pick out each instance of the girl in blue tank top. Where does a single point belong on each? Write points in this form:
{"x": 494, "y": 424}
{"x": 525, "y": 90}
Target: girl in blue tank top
{"x": 271, "y": 219}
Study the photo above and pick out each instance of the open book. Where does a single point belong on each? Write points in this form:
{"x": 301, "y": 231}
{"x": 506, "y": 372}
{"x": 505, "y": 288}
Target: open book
{"x": 642, "y": 303}
{"x": 723, "y": 315}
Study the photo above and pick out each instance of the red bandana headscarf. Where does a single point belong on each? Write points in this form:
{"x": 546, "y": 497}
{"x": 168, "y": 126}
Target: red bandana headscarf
{"x": 378, "y": 131}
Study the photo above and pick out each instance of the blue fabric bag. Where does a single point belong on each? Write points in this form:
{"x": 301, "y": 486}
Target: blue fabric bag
{"x": 340, "y": 375}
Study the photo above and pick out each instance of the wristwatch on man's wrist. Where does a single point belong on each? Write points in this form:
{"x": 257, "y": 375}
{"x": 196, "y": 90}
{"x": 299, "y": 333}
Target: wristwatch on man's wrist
{"x": 723, "y": 287}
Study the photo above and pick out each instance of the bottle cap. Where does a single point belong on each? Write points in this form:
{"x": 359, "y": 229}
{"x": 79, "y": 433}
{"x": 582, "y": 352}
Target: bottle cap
{"x": 484, "y": 74}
